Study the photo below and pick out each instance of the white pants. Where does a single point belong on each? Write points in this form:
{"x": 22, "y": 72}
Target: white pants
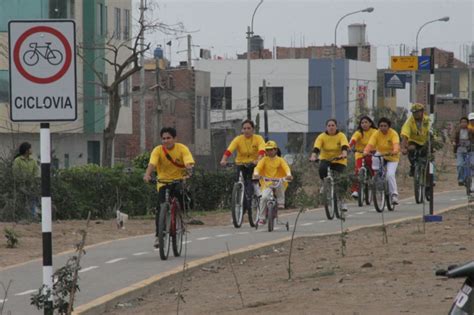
{"x": 266, "y": 193}
{"x": 391, "y": 170}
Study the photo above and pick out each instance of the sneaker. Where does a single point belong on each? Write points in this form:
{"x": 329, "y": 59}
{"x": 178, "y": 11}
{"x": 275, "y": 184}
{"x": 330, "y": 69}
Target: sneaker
{"x": 355, "y": 195}
{"x": 156, "y": 244}
{"x": 395, "y": 199}
{"x": 261, "y": 222}
{"x": 343, "y": 207}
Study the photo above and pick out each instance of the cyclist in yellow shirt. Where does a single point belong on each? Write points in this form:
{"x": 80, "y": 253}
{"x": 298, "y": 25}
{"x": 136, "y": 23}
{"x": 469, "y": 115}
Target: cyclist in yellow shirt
{"x": 171, "y": 161}
{"x": 250, "y": 149}
{"x": 414, "y": 134}
{"x": 271, "y": 166}
{"x": 328, "y": 145}
{"x": 386, "y": 141}
{"x": 359, "y": 140}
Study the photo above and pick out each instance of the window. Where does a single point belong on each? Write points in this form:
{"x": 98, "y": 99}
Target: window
{"x": 126, "y": 92}
{"x": 274, "y": 97}
{"x": 118, "y": 23}
{"x": 217, "y": 94}
{"x": 93, "y": 152}
{"x": 205, "y": 101}
{"x": 198, "y": 112}
{"x": 126, "y": 25}
{"x": 314, "y": 98}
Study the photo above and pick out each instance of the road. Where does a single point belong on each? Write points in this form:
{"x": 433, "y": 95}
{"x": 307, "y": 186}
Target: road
{"x": 109, "y": 267}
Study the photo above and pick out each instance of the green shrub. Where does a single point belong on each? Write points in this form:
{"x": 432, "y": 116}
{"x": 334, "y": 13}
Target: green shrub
{"x": 12, "y": 238}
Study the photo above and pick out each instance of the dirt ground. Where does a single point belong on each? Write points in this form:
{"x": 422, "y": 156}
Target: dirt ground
{"x": 65, "y": 233}
{"x": 373, "y": 277}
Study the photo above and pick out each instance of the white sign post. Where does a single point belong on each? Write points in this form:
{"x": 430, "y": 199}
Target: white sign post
{"x": 42, "y": 70}
{"x": 42, "y": 57}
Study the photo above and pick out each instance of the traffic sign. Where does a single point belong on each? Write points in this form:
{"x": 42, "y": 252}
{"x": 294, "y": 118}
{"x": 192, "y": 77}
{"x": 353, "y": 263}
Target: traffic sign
{"x": 424, "y": 63}
{"x": 42, "y": 58}
{"x": 395, "y": 80}
{"x": 404, "y": 63}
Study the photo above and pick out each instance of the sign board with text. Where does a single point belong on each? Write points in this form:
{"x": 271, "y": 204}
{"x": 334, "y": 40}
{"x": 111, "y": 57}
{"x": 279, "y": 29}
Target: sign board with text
{"x": 404, "y": 63}
{"x": 42, "y": 59}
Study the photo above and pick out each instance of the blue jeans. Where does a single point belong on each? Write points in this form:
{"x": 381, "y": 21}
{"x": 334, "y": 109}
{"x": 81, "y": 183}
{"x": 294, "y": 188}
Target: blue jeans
{"x": 462, "y": 170}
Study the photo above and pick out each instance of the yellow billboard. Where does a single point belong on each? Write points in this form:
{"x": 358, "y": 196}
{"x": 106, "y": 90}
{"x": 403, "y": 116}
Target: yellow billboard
{"x": 404, "y": 63}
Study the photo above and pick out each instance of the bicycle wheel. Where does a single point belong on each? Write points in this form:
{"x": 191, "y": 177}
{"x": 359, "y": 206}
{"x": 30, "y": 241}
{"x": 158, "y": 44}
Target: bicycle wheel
{"x": 367, "y": 193}
{"x": 388, "y": 198}
{"x": 177, "y": 235}
{"x": 164, "y": 225}
{"x": 378, "y": 193}
{"x": 270, "y": 215}
{"x": 361, "y": 191}
{"x": 328, "y": 198}
{"x": 30, "y": 57}
{"x": 417, "y": 184}
{"x": 237, "y": 204}
{"x": 253, "y": 211}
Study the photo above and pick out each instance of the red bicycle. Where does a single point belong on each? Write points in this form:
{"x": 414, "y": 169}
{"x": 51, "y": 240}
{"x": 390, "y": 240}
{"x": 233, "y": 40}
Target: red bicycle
{"x": 171, "y": 227}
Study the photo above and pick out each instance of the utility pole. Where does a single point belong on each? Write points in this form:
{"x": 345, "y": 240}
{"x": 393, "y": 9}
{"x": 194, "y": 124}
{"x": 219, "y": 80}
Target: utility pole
{"x": 157, "y": 120}
{"x": 471, "y": 65}
{"x": 189, "y": 51}
{"x": 249, "y": 102}
{"x": 265, "y": 108}
{"x": 142, "y": 79}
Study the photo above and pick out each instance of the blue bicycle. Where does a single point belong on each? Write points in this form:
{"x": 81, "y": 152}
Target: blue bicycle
{"x": 380, "y": 190}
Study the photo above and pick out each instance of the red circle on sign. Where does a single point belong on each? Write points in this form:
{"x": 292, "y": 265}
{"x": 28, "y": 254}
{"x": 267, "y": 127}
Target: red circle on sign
{"x": 35, "y": 79}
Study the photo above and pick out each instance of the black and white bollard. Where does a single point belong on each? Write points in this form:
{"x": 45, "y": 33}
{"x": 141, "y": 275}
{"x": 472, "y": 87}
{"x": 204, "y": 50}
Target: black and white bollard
{"x": 46, "y": 219}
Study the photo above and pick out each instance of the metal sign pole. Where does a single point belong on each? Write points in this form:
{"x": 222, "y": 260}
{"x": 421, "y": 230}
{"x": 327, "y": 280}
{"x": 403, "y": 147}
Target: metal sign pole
{"x": 46, "y": 222}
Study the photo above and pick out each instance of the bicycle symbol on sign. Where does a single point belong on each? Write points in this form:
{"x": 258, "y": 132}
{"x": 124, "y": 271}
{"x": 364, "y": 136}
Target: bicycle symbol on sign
{"x": 53, "y": 56}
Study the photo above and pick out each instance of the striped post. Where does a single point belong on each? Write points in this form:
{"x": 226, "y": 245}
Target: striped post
{"x": 45, "y": 143}
{"x": 432, "y": 104}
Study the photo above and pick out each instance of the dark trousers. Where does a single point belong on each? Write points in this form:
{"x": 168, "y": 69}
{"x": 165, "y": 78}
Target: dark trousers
{"x": 175, "y": 191}
{"x": 422, "y": 149}
{"x": 323, "y": 168}
{"x": 247, "y": 172}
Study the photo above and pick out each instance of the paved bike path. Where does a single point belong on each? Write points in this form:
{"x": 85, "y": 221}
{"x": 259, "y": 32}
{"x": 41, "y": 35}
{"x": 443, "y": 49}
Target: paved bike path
{"x": 114, "y": 265}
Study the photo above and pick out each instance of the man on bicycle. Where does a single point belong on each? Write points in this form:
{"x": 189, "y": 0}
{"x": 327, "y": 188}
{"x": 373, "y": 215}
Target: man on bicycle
{"x": 414, "y": 134}
{"x": 172, "y": 161}
{"x": 250, "y": 149}
{"x": 275, "y": 167}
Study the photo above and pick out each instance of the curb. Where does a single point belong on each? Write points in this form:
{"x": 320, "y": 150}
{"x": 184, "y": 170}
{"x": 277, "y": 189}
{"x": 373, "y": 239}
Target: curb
{"x": 107, "y": 302}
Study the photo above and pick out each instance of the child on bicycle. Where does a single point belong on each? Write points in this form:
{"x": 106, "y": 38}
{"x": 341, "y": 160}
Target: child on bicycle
{"x": 463, "y": 138}
{"x": 274, "y": 167}
{"x": 359, "y": 140}
{"x": 386, "y": 141}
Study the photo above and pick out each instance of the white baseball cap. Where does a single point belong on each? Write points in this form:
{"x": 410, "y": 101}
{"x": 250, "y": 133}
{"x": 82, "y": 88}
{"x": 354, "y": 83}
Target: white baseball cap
{"x": 471, "y": 116}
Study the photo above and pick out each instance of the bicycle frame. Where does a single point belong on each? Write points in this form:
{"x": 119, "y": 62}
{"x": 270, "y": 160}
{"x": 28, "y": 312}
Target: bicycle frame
{"x": 272, "y": 201}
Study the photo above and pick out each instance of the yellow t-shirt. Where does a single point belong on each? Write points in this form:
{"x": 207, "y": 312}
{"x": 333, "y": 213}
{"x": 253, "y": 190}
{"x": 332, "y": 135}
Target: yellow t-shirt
{"x": 361, "y": 141}
{"x": 165, "y": 169}
{"x": 411, "y": 131}
{"x": 248, "y": 149}
{"x": 331, "y": 146}
{"x": 384, "y": 144}
{"x": 275, "y": 167}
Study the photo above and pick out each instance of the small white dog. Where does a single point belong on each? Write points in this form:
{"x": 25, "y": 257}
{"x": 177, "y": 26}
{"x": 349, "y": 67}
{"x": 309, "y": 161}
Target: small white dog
{"x": 121, "y": 219}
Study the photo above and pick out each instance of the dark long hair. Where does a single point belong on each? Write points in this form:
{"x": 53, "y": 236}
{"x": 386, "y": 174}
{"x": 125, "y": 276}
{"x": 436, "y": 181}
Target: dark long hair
{"x": 372, "y": 125}
{"x": 24, "y": 147}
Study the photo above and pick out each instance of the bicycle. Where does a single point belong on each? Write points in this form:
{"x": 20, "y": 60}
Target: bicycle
{"x": 271, "y": 207}
{"x": 464, "y": 301}
{"x": 420, "y": 176}
{"x": 171, "y": 227}
{"x": 331, "y": 199}
{"x": 380, "y": 190}
{"x": 53, "y": 56}
{"x": 237, "y": 201}
{"x": 364, "y": 178}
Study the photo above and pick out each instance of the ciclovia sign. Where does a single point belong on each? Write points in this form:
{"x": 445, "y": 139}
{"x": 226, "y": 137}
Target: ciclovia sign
{"x": 42, "y": 57}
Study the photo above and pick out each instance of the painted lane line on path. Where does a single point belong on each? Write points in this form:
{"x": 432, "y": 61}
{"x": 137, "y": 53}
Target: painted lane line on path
{"x": 322, "y": 221}
{"x": 203, "y": 238}
{"x": 140, "y": 253}
{"x": 306, "y": 224}
{"x": 115, "y": 260}
{"x": 88, "y": 269}
{"x": 26, "y": 292}
{"x": 242, "y": 233}
{"x": 223, "y": 235}
{"x": 362, "y": 212}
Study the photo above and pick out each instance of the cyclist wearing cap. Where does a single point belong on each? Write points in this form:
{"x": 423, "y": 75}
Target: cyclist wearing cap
{"x": 414, "y": 134}
{"x": 329, "y": 145}
{"x": 275, "y": 167}
{"x": 172, "y": 161}
{"x": 386, "y": 141}
{"x": 250, "y": 149}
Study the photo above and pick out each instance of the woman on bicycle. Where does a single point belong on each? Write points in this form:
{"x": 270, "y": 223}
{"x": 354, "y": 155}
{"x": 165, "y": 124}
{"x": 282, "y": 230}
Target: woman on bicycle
{"x": 328, "y": 145}
{"x": 275, "y": 167}
{"x": 358, "y": 142}
{"x": 463, "y": 138}
{"x": 250, "y": 149}
{"x": 386, "y": 141}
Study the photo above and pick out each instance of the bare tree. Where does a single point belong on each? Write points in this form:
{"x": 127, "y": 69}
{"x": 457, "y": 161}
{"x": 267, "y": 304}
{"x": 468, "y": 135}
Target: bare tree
{"x": 123, "y": 56}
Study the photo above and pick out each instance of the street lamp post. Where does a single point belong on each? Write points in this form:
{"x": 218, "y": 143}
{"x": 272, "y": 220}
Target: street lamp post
{"x": 333, "y": 61}
{"x": 249, "y": 36}
{"x": 415, "y": 53}
{"x": 224, "y": 101}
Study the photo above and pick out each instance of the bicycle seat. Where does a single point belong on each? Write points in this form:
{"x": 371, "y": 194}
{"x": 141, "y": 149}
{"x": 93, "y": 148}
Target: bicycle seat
{"x": 48, "y": 43}
{"x": 463, "y": 271}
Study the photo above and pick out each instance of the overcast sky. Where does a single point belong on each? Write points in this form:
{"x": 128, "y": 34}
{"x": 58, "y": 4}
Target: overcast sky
{"x": 220, "y": 25}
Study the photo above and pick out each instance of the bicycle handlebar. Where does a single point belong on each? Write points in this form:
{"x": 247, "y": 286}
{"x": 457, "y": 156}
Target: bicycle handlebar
{"x": 167, "y": 182}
